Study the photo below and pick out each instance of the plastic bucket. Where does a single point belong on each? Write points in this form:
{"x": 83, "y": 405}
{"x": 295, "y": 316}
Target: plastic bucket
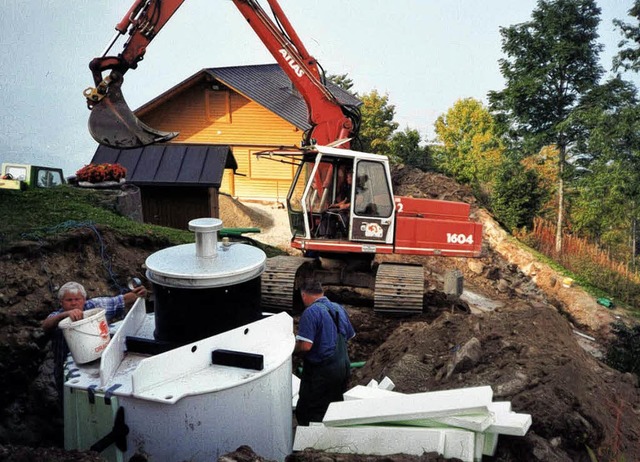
{"x": 88, "y": 337}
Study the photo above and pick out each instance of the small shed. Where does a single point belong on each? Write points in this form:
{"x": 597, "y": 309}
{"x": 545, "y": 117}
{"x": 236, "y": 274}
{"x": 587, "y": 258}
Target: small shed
{"x": 178, "y": 182}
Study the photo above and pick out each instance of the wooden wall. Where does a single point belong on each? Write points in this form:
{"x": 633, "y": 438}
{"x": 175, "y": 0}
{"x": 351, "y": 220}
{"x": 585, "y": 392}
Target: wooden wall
{"x": 175, "y": 206}
{"x": 202, "y": 115}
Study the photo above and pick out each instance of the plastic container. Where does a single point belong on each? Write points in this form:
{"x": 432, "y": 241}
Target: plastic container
{"x": 88, "y": 337}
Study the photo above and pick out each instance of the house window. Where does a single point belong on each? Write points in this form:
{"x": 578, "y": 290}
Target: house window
{"x": 218, "y": 106}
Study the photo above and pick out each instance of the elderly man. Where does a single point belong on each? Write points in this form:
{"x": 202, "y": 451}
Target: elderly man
{"x": 323, "y": 331}
{"x": 73, "y": 302}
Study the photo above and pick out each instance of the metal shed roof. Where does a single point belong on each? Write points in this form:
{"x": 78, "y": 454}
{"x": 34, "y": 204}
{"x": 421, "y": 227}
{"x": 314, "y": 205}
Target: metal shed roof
{"x": 171, "y": 164}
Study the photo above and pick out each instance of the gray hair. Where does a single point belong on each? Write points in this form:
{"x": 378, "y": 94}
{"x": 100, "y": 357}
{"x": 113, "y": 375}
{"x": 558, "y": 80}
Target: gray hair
{"x": 71, "y": 287}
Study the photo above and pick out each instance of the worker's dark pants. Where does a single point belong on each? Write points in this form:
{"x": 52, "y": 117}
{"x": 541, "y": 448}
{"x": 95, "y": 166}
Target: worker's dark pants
{"x": 322, "y": 384}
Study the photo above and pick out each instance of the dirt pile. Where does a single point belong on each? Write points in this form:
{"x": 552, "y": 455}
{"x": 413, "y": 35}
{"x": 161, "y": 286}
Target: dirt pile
{"x": 235, "y": 214}
{"x": 524, "y": 325}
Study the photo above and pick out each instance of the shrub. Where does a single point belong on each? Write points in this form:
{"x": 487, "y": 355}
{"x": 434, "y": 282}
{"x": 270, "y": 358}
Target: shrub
{"x": 516, "y": 197}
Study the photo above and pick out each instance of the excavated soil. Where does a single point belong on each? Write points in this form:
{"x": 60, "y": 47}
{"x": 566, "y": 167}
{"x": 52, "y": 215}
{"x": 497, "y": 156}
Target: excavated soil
{"x": 534, "y": 338}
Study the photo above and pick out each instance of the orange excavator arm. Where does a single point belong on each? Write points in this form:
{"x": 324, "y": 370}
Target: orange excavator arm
{"x": 112, "y": 123}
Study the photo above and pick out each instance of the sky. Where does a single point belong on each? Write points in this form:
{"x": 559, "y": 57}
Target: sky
{"x": 423, "y": 54}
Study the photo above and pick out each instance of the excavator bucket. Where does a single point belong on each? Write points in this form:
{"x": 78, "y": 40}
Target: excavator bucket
{"x": 113, "y": 124}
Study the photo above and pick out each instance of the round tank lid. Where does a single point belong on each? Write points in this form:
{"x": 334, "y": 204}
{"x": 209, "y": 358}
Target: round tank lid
{"x": 179, "y": 266}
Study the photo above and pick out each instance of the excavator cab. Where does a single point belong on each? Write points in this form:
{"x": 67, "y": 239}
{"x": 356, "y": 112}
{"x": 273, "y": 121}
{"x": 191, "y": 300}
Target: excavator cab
{"x": 340, "y": 196}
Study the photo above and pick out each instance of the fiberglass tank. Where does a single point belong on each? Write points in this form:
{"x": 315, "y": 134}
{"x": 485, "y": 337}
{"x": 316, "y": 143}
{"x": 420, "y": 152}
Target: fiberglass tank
{"x": 228, "y": 384}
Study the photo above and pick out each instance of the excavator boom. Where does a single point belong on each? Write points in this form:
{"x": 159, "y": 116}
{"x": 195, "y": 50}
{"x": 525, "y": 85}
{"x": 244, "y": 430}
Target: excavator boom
{"x": 112, "y": 123}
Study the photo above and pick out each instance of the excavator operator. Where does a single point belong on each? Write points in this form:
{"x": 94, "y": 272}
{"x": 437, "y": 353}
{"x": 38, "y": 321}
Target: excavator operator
{"x": 335, "y": 220}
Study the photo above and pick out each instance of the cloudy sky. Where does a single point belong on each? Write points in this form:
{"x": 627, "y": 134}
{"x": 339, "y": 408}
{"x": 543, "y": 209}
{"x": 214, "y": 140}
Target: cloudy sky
{"x": 425, "y": 54}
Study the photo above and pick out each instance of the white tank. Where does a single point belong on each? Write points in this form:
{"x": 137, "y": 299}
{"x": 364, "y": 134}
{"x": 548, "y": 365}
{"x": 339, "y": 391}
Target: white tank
{"x": 195, "y": 402}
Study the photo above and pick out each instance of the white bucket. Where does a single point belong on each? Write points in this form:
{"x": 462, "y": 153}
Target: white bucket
{"x": 88, "y": 337}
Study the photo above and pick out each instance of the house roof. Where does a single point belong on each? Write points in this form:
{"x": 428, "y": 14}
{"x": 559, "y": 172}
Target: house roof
{"x": 266, "y": 84}
{"x": 171, "y": 164}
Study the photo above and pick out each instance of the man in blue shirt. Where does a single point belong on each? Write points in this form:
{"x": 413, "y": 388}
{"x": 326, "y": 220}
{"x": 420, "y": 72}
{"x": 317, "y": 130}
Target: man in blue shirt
{"x": 323, "y": 331}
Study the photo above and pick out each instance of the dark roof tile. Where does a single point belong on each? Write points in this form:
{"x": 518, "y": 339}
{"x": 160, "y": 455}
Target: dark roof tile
{"x": 269, "y": 86}
{"x": 171, "y": 164}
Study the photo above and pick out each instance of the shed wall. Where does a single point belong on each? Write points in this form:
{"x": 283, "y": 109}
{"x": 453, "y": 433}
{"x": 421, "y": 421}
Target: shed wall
{"x": 176, "y": 206}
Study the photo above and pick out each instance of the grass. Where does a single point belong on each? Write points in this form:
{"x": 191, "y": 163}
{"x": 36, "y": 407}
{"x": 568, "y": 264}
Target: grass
{"x": 583, "y": 282}
{"x": 44, "y": 213}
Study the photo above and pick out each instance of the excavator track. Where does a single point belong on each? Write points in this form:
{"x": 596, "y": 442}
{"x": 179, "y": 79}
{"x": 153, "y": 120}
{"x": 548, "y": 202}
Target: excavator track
{"x": 279, "y": 281}
{"x": 399, "y": 288}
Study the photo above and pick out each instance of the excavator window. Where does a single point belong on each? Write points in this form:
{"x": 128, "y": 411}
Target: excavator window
{"x": 373, "y": 196}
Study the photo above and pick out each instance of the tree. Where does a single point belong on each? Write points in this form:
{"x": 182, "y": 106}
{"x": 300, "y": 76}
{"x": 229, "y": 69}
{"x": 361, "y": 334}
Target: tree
{"x": 628, "y": 58}
{"x": 343, "y": 81}
{"x": 405, "y": 147}
{"x": 377, "y": 123}
{"x": 607, "y": 205}
{"x": 471, "y": 148}
{"x": 552, "y": 61}
{"x": 516, "y": 197}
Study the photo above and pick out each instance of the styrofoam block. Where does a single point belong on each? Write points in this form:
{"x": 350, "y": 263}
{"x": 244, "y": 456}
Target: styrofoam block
{"x": 459, "y": 443}
{"x": 373, "y": 383}
{"x": 511, "y": 423}
{"x": 386, "y": 384}
{"x": 381, "y": 440}
{"x": 476, "y": 423}
{"x": 500, "y": 407}
{"x": 479, "y": 447}
{"x": 473, "y": 400}
{"x": 367, "y": 440}
{"x": 362, "y": 392}
{"x": 490, "y": 444}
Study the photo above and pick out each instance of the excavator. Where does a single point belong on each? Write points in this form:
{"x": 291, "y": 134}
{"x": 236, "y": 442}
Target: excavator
{"x": 339, "y": 244}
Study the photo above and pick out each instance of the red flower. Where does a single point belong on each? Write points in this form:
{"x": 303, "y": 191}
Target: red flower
{"x": 96, "y": 173}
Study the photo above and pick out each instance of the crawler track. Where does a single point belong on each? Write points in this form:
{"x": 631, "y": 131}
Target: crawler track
{"x": 399, "y": 288}
{"x": 279, "y": 281}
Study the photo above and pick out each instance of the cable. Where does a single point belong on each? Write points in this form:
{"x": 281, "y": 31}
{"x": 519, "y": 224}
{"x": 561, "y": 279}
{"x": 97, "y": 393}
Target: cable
{"x": 72, "y": 224}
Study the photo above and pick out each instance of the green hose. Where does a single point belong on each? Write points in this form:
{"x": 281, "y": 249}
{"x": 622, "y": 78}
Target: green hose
{"x": 234, "y": 232}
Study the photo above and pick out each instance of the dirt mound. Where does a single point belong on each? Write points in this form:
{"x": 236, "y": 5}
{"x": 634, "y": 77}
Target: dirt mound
{"x": 409, "y": 181}
{"x": 235, "y": 214}
{"x": 528, "y": 352}
{"x": 529, "y": 357}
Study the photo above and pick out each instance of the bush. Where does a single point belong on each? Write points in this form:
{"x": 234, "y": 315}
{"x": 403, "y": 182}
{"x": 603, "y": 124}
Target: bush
{"x": 516, "y": 197}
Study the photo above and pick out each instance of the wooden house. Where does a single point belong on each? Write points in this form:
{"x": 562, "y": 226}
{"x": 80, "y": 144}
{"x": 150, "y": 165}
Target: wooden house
{"x": 241, "y": 110}
{"x": 249, "y": 108}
